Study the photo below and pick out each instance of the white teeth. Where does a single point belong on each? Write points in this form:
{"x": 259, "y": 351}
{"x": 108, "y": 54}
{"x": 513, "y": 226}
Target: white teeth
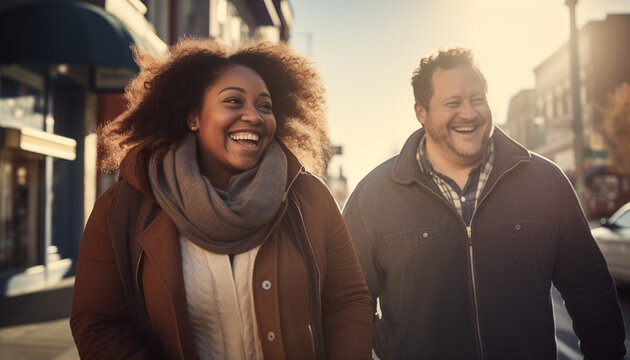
{"x": 464, "y": 129}
{"x": 244, "y": 136}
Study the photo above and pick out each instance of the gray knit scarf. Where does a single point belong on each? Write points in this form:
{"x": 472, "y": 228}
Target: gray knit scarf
{"x": 224, "y": 222}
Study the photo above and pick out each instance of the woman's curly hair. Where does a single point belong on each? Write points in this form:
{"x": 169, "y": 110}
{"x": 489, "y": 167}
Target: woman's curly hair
{"x": 166, "y": 91}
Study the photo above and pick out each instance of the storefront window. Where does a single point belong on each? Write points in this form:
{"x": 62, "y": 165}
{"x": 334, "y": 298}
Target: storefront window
{"x": 20, "y": 218}
{"x": 21, "y": 104}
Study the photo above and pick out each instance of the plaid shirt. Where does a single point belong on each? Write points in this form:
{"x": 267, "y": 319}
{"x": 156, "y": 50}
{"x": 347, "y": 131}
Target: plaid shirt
{"x": 464, "y": 200}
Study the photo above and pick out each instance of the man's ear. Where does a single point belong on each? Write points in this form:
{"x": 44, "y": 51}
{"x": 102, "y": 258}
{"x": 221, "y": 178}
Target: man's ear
{"x": 421, "y": 113}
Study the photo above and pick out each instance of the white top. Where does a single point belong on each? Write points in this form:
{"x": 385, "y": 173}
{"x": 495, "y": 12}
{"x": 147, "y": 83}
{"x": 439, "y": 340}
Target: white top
{"x": 220, "y": 302}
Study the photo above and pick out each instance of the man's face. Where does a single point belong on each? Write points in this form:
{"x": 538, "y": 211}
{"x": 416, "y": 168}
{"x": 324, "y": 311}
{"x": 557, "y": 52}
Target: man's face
{"x": 458, "y": 122}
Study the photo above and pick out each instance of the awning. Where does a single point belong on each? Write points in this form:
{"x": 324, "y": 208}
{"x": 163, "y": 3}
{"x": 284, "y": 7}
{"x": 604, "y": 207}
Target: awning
{"x": 66, "y": 32}
{"x": 38, "y": 142}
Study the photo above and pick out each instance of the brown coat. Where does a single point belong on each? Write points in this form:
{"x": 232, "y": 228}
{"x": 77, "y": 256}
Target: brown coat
{"x": 101, "y": 321}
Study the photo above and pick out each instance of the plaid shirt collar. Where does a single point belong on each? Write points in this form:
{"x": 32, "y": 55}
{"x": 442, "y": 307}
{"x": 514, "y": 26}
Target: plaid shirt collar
{"x": 464, "y": 200}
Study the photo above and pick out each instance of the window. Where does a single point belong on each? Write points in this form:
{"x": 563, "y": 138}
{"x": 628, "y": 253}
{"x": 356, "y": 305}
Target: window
{"x": 623, "y": 220}
{"x": 20, "y": 217}
{"x": 21, "y": 98}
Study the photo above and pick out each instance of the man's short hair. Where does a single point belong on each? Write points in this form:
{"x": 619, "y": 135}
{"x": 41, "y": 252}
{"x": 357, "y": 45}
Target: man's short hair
{"x": 445, "y": 59}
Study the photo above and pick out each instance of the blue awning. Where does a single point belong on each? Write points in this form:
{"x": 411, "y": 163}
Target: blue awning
{"x": 65, "y": 32}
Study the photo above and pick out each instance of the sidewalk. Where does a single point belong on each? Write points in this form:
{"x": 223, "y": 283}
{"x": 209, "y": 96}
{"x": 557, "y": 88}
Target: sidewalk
{"x": 35, "y": 326}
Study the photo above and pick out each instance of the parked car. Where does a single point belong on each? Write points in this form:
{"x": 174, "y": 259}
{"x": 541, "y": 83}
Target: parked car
{"x": 613, "y": 238}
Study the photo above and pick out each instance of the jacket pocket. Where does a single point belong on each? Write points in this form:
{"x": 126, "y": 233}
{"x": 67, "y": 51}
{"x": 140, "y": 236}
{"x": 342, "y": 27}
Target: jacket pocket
{"x": 527, "y": 231}
{"x": 417, "y": 246}
{"x": 526, "y": 244}
{"x": 415, "y": 237}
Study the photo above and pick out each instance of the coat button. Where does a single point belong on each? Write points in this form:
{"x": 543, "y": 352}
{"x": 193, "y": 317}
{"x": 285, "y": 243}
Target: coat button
{"x": 266, "y": 284}
{"x": 271, "y": 336}
{"x": 517, "y": 226}
{"x": 425, "y": 235}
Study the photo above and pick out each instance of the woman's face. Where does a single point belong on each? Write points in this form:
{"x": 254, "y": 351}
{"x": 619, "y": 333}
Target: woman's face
{"x": 235, "y": 124}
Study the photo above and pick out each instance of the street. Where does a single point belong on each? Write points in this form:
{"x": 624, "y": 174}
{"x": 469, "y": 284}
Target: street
{"x": 35, "y": 326}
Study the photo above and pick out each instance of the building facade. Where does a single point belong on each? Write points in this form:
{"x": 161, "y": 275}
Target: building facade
{"x": 545, "y": 122}
{"x": 63, "y": 68}
{"x": 520, "y": 118}
{"x": 233, "y": 22}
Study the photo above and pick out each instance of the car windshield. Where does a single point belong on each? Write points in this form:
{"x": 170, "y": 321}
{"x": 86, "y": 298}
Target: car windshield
{"x": 622, "y": 217}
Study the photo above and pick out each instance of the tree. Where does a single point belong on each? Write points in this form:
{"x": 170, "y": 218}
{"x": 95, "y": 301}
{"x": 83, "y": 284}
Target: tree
{"x": 615, "y": 127}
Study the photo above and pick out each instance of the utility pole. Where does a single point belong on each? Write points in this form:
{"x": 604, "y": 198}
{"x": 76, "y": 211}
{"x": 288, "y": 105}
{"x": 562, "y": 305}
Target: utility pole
{"x": 578, "y": 141}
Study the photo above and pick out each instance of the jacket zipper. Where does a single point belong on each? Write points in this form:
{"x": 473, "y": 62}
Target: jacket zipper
{"x": 319, "y": 274}
{"x": 471, "y": 264}
{"x": 470, "y": 248}
{"x": 138, "y": 272}
{"x": 300, "y": 172}
{"x": 310, "y": 331}
{"x": 310, "y": 246}
{"x": 474, "y": 287}
{"x": 470, "y": 254}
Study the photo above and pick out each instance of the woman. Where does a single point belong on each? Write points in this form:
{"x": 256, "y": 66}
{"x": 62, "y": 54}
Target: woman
{"x": 217, "y": 243}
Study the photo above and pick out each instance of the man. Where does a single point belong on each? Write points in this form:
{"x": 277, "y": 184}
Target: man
{"x": 462, "y": 235}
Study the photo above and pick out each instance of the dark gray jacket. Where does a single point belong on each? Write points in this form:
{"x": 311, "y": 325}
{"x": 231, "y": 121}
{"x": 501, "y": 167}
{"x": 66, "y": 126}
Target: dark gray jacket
{"x": 451, "y": 292}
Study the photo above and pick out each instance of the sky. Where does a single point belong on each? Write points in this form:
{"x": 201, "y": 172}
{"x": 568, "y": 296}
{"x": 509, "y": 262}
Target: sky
{"x": 366, "y": 51}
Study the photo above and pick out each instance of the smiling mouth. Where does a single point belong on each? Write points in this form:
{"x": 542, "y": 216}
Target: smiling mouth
{"x": 250, "y": 139}
{"x": 464, "y": 129}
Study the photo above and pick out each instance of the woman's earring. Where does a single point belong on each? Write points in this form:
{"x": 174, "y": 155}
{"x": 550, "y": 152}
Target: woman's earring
{"x": 193, "y": 125}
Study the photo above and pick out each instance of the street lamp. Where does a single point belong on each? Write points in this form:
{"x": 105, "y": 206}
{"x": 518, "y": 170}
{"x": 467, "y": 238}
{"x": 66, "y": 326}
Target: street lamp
{"x": 577, "y": 107}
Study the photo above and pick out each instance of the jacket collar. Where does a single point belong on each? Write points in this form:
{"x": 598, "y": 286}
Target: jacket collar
{"x": 294, "y": 167}
{"x": 133, "y": 169}
{"x": 508, "y": 153}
